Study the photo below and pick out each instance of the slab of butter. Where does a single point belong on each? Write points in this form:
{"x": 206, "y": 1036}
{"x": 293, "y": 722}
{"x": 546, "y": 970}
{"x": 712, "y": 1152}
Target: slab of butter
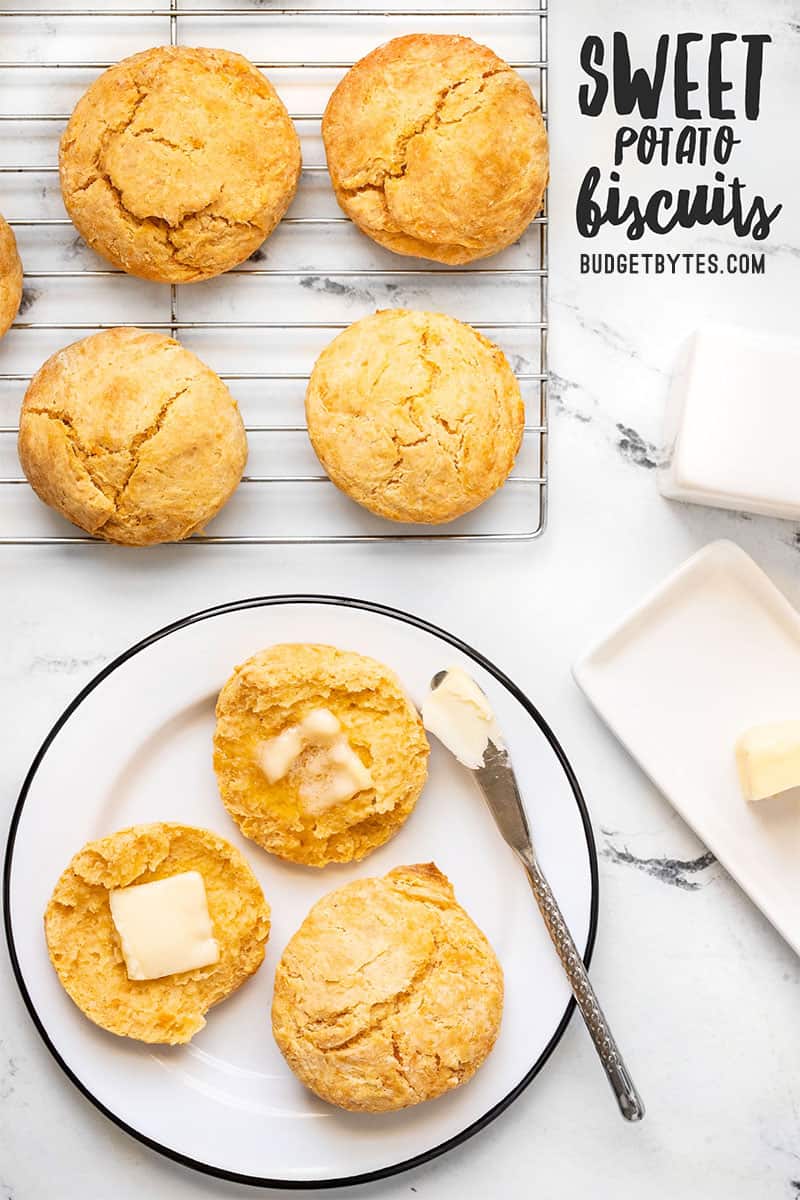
{"x": 164, "y": 927}
{"x": 768, "y": 758}
{"x": 732, "y": 424}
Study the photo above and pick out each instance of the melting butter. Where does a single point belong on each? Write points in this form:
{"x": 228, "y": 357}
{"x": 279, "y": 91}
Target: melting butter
{"x": 318, "y": 753}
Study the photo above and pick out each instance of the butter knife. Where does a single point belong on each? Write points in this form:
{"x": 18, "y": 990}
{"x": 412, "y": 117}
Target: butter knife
{"x": 498, "y": 783}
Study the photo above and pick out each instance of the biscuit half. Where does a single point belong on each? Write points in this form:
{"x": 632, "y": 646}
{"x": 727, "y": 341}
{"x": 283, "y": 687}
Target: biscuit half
{"x": 84, "y": 945}
{"x": 276, "y": 689}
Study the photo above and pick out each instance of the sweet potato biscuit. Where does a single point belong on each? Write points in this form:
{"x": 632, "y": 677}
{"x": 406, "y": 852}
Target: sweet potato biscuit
{"x": 272, "y": 692}
{"x": 414, "y": 415}
{"x": 388, "y": 994}
{"x": 10, "y": 277}
{"x": 131, "y": 437}
{"x": 437, "y": 148}
{"x": 84, "y": 946}
{"x": 177, "y": 163}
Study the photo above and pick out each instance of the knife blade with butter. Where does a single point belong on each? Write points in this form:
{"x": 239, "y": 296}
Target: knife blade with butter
{"x": 459, "y": 714}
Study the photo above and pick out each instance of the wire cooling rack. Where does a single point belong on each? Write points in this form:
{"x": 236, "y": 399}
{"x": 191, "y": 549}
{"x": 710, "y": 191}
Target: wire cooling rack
{"x": 262, "y": 325}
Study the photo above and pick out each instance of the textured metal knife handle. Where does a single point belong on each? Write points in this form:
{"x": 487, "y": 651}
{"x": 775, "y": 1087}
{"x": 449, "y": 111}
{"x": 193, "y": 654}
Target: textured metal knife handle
{"x": 629, "y": 1100}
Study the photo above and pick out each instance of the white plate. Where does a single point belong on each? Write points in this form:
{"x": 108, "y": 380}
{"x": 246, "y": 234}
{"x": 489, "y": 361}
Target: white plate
{"x": 136, "y": 746}
{"x": 713, "y": 651}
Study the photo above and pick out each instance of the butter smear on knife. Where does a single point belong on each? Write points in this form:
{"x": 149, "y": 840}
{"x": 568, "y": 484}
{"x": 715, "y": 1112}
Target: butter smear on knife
{"x": 460, "y": 716}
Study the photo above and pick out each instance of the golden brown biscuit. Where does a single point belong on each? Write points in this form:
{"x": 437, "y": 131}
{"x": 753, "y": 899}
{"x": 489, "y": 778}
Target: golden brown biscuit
{"x": 415, "y": 415}
{"x": 436, "y": 148}
{"x": 271, "y": 693}
{"x": 84, "y": 945}
{"x": 388, "y": 994}
{"x": 130, "y": 436}
{"x": 177, "y": 163}
{"x": 10, "y": 277}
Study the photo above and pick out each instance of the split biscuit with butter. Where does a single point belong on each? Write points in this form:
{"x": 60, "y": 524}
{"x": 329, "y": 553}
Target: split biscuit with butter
{"x": 177, "y": 163}
{"x": 415, "y": 415}
{"x": 388, "y": 994}
{"x": 131, "y": 437}
{"x": 437, "y": 148}
{"x": 319, "y": 754}
{"x": 10, "y": 277}
{"x": 150, "y": 927}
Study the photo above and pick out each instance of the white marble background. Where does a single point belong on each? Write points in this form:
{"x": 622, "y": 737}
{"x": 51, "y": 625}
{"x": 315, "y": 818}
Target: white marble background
{"x": 703, "y": 993}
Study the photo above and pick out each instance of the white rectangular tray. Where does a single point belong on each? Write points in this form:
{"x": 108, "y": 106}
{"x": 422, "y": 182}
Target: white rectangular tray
{"x": 711, "y": 652}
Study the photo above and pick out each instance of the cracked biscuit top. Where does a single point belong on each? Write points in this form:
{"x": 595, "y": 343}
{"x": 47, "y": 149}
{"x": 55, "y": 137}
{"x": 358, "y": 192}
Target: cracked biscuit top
{"x": 388, "y": 994}
{"x": 10, "y": 277}
{"x": 437, "y": 148}
{"x": 131, "y": 437}
{"x": 85, "y": 947}
{"x": 414, "y": 415}
{"x": 177, "y": 163}
{"x": 287, "y": 687}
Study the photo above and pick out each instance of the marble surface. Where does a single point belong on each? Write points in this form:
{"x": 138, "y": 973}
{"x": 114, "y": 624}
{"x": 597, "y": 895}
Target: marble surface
{"x": 702, "y": 992}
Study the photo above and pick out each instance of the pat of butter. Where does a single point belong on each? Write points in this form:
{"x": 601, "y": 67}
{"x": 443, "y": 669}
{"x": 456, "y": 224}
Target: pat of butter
{"x": 317, "y": 750}
{"x": 164, "y": 927}
{"x": 460, "y": 716}
{"x": 733, "y": 424}
{"x": 768, "y": 758}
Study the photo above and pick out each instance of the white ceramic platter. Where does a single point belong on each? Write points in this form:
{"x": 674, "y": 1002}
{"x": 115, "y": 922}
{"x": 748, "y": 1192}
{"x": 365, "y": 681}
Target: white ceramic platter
{"x": 715, "y": 650}
{"x": 136, "y": 746}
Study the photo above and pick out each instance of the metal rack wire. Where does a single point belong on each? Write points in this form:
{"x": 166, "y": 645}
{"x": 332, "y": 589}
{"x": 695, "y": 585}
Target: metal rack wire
{"x": 531, "y": 364}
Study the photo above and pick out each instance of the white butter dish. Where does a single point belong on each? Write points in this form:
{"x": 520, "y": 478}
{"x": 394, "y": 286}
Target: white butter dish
{"x": 713, "y": 651}
{"x": 732, "y": 426}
